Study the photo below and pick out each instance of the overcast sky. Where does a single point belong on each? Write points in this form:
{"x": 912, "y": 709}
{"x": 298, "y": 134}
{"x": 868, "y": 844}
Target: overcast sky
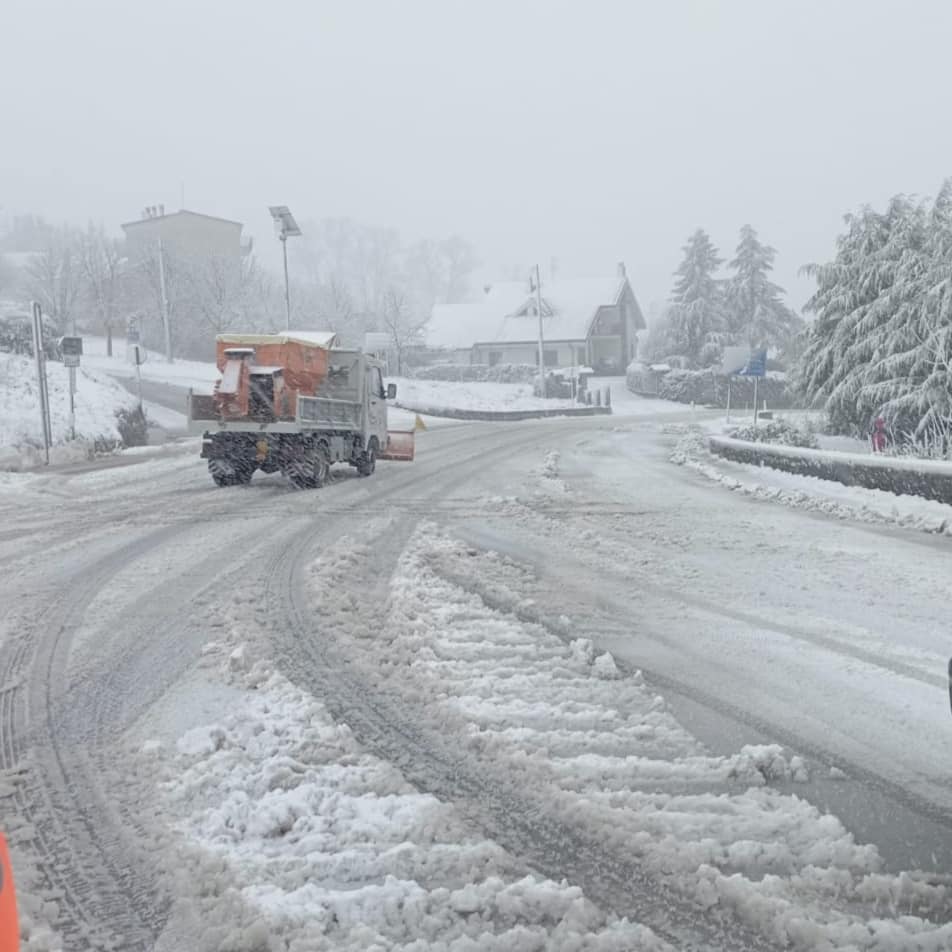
{"x": 588, "y": 131}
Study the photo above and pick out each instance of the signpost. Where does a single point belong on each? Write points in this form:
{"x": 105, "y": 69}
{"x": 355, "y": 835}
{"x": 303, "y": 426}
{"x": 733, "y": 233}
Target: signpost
{"x": 743, "y": 362}
{"x": 139, "y": 357}
{"x": 755, "y": 367}
{"x": 71, "y": 349}
{"x": 40, "y": 356}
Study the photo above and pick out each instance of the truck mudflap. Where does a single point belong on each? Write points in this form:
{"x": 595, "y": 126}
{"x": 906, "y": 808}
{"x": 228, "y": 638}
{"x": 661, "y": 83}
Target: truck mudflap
{"x": 400, "y": 446}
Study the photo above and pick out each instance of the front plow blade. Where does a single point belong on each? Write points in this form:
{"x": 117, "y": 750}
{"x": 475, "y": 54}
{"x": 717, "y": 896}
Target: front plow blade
{"x": 400, "y": 446}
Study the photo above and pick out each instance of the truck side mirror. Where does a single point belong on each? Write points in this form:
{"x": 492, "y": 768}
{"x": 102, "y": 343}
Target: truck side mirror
{"x": 391, "y": 391}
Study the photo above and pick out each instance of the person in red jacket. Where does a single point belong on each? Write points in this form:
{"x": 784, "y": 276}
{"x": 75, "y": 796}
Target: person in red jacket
{"x": 879, "y": 435}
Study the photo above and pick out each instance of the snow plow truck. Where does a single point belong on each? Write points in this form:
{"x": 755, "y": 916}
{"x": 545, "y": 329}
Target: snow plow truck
{"x": 294, "y": 403}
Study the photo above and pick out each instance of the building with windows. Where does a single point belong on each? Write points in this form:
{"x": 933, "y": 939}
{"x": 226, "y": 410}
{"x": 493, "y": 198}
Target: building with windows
{"x": 590, "y": 322}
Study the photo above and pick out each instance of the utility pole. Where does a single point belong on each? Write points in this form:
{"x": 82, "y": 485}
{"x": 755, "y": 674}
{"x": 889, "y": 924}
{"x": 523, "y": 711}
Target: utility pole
{"x": 166, "y": 323}
{"x": 538, "y": 289}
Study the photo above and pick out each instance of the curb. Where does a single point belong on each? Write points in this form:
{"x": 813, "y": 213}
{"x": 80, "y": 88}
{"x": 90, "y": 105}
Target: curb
{"x": 927, "y": 479}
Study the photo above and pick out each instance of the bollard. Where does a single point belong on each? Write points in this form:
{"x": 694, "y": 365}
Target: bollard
{"x": 598, "y": 398}
{"x": 9, "y": 928}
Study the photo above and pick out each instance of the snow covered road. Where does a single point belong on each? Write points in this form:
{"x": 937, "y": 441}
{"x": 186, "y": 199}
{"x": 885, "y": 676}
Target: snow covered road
{"x": 541, "y": 689}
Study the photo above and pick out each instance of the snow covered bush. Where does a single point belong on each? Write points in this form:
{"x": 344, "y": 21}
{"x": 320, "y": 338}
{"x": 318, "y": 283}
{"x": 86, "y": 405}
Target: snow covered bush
{"x": 776, "y": 431}
{"x": 704, "y": 387}
{"x": 133, "y": 426}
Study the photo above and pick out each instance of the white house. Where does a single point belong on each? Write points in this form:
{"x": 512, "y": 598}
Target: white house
{"x": 589, "y": 321}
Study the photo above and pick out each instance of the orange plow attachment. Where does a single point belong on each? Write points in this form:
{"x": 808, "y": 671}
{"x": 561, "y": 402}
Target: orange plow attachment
{"x": 400, "y": 446}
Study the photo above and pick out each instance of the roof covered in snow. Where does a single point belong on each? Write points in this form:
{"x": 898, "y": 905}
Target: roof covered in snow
{"x": 326, "y": 339}
{"x": 505, "y": 313}
{"x": 461, "y": 325}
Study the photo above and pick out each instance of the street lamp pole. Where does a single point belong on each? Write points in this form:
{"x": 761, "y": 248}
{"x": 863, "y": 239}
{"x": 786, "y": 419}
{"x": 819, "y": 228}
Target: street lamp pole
{"x": 287, "y": 283}
{"x": 286, "y": 227}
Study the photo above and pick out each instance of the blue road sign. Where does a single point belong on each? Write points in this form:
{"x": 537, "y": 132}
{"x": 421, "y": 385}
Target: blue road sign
{"x": 756, "y": 365}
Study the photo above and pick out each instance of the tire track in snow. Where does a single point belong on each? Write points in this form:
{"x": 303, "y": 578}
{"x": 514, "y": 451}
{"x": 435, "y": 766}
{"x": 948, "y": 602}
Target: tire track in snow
{"x": 520, "y": 820}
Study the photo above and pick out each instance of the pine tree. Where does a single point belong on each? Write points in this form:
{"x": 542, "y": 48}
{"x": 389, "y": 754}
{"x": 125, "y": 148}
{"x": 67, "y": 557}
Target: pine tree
{"x": 756, "y": 315}
{"x": 696, "y": 315}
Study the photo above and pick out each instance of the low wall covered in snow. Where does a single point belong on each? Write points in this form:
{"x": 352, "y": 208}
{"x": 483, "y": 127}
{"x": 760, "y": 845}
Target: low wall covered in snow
{"x": 458, "y": 413}
{"x": 931, "y": 479}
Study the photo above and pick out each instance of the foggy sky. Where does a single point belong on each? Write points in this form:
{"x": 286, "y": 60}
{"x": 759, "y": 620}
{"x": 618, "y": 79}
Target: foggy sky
{"x": 589, "y": 131}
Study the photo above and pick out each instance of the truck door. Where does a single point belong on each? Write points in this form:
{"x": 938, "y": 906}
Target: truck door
{"x": 376, "y": 407}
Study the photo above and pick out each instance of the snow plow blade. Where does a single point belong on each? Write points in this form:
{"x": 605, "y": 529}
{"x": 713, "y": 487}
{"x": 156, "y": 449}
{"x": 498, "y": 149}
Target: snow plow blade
{"x": 400, "y": 446}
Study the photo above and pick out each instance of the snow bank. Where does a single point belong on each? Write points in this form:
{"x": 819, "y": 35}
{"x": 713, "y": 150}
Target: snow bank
{"x": 493, "y": 397}
{"x": 292, "y": 835}
{"x": 97, "y": 399}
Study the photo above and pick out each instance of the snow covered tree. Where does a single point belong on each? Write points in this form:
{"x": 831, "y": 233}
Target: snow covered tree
{"x": 756, "y": 315}
{"x": 54, "y": 277}
{"x": 882, "y": 341}
{"x": 404, "y": 326}
{"x": 696, "y": 315}
{"x": 101, "y": 263}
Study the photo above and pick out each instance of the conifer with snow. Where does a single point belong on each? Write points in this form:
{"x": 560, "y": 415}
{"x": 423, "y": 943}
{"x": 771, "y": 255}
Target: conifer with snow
{"x": 756, "y": 315}
{"x": 882, "y": 340}
{"x": 696, "y": 316}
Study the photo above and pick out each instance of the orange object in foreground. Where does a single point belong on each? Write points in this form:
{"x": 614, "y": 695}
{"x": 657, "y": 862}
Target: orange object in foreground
{"x": 400, "y": 446}
{"x": 9, "y": 926}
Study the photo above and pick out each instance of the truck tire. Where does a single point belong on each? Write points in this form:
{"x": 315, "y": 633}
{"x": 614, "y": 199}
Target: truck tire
{"x": 367, "y": 462}
{"x": 312, "y": 470}
{"x": 226, "y": 472}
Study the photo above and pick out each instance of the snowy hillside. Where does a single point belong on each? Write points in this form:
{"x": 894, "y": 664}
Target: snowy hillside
{"x": 195, "y": 374}
{"x": 97, "y": 399}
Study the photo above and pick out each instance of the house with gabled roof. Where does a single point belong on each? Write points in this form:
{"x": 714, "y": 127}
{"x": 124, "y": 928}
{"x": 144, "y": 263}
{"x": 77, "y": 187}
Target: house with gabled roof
{"x": 585, "y": 322}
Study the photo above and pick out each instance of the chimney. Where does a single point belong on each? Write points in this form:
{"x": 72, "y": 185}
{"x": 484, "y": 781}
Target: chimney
{"x": 621, "y": 270}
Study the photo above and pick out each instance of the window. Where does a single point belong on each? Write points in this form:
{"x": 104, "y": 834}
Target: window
{"x": 377, "y": 382}
{"x": 551, "y": 358}
{"x": 495, "y": 357}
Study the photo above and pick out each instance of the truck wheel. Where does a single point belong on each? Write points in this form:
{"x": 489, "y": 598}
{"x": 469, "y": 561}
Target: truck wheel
{"x": 312, "y": 471}
{"x": 225, "y": 472}
{"x": 367, "y": 462}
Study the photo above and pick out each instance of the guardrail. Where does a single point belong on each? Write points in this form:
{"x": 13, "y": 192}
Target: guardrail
{"x": 452, "y": 413}
{"x": 930, "y": 479}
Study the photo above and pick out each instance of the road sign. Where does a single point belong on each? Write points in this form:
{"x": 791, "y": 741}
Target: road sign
{"x": 71, "y": 346}
{"x": 756, "y": 365}
{"x": 734, "y": 359}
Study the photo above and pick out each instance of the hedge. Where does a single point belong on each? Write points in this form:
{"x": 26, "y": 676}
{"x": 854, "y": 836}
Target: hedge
{"x": 707, "y": 388}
